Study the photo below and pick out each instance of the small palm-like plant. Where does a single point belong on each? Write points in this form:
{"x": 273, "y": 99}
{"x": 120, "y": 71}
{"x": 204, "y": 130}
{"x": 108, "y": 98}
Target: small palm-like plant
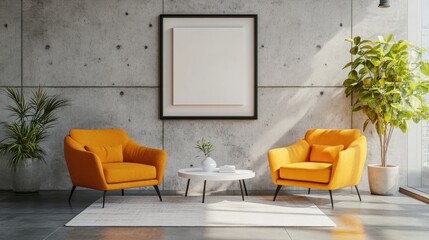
{"x": 204, "y": 146}
{"x": 28, "y": 129}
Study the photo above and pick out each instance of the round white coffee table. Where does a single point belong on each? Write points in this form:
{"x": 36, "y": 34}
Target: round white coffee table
{"x": 199, "y": 174}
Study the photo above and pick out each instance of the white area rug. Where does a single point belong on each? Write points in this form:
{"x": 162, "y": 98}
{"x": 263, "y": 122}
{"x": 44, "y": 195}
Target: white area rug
{"x": 181, "y": 211}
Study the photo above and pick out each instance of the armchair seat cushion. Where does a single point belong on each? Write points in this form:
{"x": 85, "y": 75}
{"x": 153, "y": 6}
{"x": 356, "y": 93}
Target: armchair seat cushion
{"x": 128, "y": 172}
{"x": 307, "y": 171}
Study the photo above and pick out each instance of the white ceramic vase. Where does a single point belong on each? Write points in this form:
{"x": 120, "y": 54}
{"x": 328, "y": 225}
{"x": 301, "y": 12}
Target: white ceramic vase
{"x": 383, "y": 180}
{"x": 208, "y": 164}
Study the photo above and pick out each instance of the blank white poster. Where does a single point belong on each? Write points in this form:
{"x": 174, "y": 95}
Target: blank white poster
{"x": 209, "y": 66}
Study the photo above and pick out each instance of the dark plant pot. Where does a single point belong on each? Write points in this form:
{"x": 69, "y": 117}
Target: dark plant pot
{"x": 26, "y": 178}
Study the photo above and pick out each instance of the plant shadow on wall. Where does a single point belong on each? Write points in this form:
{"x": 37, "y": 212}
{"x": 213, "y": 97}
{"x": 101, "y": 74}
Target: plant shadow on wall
{"x": 24, "y": 134}
{"x": 389, "y": 79}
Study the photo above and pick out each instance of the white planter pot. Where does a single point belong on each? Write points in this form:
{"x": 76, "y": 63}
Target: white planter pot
{"x": 383, "y": 180}
{"x": 208, "y": 164}
{"x": 26, "y": 178}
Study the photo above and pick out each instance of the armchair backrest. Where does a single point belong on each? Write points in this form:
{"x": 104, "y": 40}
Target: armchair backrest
{"x": 332, "y": 136}
{"x": 100, "y": 137}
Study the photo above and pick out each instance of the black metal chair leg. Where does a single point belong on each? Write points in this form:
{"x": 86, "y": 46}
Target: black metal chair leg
{"x": 71, "y": 193}
{"x": 277, "y": 192}
{"x": 332, "y": 201}
{"x": 187, "y": 187}
{"x": 204, "y": 190}
{"x": 357, "y": 190}
{"x": 157, "y": 192}
{"x": 241, "y": 188}
{"x": 104, "y": 197}
{"x": 245, "y": 188}
{"x": 309, "y": 190}
{"x": 122, "y": 191}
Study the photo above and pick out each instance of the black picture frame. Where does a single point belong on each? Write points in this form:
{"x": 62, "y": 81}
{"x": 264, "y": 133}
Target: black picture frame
{"x": 254, "y": 114}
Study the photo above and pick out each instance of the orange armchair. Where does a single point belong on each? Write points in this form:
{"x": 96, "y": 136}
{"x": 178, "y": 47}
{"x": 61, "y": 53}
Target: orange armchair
{"x": 326, "y": 159}
{"x": 106, "y": 159}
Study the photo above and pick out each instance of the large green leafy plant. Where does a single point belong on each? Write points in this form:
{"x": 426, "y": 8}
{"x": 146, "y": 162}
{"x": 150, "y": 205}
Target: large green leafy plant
{"x": 28, "y": 129}
{"x": 388, "y": 81}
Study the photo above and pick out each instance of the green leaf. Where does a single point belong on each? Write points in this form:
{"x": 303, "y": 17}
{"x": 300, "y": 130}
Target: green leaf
{"x": 348, "y": 91}
{"x": 349, "y": 40}
{"x": 363, "y": 70}
{"x": 394, "y": 91}
{"x": 366, "y": 47}
{"x": 387, "y": 117}
{"x": 356, "y": 109}
{"x": 415, "y": 102}
{"x": 425, "y": 68}
{"x": 402, "y": 46}
{"x": 356, "y": 64}
{"x": 371, "y": 53}
{"x": 365, "y": 124}
{"x": 353, "y": 75}
{"x": 347, "y": 65}
{"x": 403, "y": 126}
{"x": 354, "y": 50}
{"x": 375, "y": 62}
{"x": 397, "y": 106}
{"x": 349, "y": 82}
{"x": 356, "y": 40}
{"x": 367, "y": 82}
{"x": 389, "y": 37}
{"x": 369, "y": 65}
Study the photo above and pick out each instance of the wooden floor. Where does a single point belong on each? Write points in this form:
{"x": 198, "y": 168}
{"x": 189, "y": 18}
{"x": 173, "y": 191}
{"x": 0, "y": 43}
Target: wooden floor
{"x": 43, "y": 215}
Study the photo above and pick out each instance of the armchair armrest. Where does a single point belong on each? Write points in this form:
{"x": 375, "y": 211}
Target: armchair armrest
{"x": 347, "y": 169}
{"x": 84, "y": 167}
{"x": 280, "y": 157}
{"x": 133, "y": 152}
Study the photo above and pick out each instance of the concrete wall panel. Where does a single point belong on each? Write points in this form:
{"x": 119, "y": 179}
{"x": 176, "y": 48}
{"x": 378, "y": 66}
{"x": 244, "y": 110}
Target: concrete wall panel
{"x": 10, "y": 43}
{"x": 91, "y": 43}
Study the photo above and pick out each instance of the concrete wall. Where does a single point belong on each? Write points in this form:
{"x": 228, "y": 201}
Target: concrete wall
{"x": 103, "y": 56}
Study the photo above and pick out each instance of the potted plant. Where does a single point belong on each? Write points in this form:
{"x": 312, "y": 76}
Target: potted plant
{"x": 387, "y": 80}
{"x": 25, "y": 132}
{"x": 206, "y": 147}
